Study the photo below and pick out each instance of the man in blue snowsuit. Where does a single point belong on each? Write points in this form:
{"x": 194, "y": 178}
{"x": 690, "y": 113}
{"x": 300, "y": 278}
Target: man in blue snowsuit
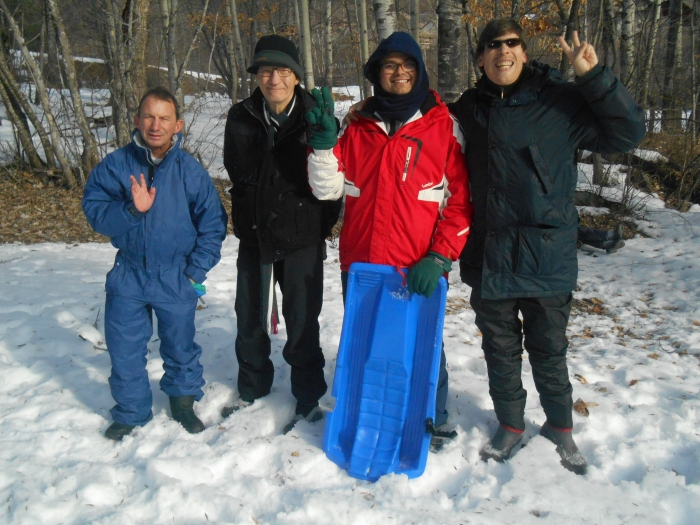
{"x": 168, "y": 227}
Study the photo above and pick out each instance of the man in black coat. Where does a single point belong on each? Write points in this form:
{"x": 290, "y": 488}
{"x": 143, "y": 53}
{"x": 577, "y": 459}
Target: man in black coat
{"x": 522, "y": 126}
{"x": 282, "y": 229}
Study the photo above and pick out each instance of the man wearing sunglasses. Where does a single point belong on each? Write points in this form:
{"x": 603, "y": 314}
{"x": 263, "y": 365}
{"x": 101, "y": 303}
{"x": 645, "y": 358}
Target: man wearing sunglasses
{"x": 282, "y": 229}
{"x": 523, "y": 125}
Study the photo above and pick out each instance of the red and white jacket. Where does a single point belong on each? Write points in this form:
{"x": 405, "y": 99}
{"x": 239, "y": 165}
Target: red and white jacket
{"x": 405, "y": 195}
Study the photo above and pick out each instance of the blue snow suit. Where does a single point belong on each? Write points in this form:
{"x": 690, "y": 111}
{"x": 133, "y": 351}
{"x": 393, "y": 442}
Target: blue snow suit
{"x": 179, "y": 238}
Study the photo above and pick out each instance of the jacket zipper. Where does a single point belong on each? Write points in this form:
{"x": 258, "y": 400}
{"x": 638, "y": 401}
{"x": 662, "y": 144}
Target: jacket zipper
{"x": 408, "y": 160}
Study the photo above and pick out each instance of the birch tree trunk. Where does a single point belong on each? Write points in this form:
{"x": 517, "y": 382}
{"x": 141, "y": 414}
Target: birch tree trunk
{"x": 306, "y": 40}
{"x": 90, "y": 155}
{"x": 328, "y": 44}
{"x": 240, "y": 53}
{"x": 43, "y": 96}
{"x": 449, "y": 31}
{"x": 627, "y": 40}
{"x": 414, "y": 10}
{"x": 168, "y": 9}
{"x": 644, "y": 98}
{"x": 385, "y": 17}
{"x": 364, "y": 46}
{"x": 669, "y": 115}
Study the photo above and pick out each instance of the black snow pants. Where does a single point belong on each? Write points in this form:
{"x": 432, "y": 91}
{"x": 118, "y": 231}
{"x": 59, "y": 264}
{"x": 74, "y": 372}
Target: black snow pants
{"x": 544, "y": 330}
{"x": 300, "y": 276}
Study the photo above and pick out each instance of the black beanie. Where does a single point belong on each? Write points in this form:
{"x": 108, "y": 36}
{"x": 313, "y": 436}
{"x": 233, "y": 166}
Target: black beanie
{"x": 274, "y": 50}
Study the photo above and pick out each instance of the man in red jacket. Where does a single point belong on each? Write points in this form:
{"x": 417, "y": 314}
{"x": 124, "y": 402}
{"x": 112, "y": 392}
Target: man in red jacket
{"x": 402, "y": 171}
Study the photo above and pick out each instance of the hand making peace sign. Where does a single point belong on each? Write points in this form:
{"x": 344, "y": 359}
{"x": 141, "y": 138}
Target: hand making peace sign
{"x": 582, "y": 57}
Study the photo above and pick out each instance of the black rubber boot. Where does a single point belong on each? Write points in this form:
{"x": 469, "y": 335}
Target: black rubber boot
{"x": 310, "y": 413}
{"x": 501, "y": 444}
{"x": 183, "y": 413}
{"x": 117, "y": 431}
{"x": 571, "y": 458}
{"x": 235, "y": 407}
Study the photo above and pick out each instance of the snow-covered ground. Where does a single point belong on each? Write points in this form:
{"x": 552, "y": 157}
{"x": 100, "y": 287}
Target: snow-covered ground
{"x": 634, "y": 359}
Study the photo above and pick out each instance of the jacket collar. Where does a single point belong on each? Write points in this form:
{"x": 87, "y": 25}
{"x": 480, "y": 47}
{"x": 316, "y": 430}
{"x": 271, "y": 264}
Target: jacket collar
{"x": 137, "y": 140}
{"x": 534, "y": 77}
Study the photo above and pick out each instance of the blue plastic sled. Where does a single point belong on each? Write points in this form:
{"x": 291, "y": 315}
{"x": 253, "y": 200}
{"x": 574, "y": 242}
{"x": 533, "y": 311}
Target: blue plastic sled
{"x": 386, "y": 375}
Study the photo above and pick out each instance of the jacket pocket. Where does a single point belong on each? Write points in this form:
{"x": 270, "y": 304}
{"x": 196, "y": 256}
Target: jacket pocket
{"x": 544, "y": 250}
{"x": 115, "y": 279}
{"x": 300, "y": 222}
{"x": 176, "y": 286}
{"x": 541, "y": 168}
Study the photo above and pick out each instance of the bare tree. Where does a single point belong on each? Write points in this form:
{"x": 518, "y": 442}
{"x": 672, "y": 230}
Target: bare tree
{"x": 176, "y": 70}
{"x": 124, "y": 36}
{"x": 649, "y": 56}
{"x": 90, "y": 155}
{"x": 569, "y": 19}
{"x": 627, "y": 50}
{"x": 328, "y": 43}
{"x": 364, "y": 45}
{"x": 670, "y": 118}
{"x": 240, "y": 53}
{"x": 22, "y": 129}
{"x": 306, "y": 41}
{"x": 385, "y": 17}
{"x": 414, "y": 11}
{"x": 43, "y": 94}
{"x": 24, "y": 111}
{"x": 449, "y": 64}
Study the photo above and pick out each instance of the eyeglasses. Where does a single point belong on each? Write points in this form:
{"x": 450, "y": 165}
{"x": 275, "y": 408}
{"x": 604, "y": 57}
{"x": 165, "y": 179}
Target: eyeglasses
{"x": 266, "y": 72}
{"x": 510, "y": 42}
{"x": 409, "y": 66}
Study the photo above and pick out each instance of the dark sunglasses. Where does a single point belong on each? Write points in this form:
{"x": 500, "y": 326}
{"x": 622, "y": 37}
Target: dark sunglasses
{"x": 510, "y": 42}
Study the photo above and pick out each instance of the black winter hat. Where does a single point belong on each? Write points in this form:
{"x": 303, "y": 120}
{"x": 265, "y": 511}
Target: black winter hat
{"x": 274, "y": 50}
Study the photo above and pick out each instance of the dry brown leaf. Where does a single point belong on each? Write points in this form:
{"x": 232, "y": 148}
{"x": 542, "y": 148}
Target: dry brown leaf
{"x": 295, "y": 454}
{"x": 34, "y": 211}
{"x": 581, "y": 407}
{"x": 581, "y": 379}
{"x": 696, "y": 323}
{"x": 634, "y": 382}
{"x": 601, "y": 389}
{"x": 653, "y": 356}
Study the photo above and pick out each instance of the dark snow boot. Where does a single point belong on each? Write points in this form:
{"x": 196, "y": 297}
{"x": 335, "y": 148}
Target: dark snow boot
{"x": 310, "y": 413}
{"x": 117, "y": 431}
{"x": 234, "y": 407}
{"x": 182, "y": 410}
{"x": 571, "y": 458}
{"x": 614, "y": 240}
{"x": 501, "y": 444}
{"x": 439, "y": 436}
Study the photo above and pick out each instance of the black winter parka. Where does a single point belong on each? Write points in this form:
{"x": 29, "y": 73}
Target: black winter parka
{"x": 522, "y": 170}
{"x": 272, "y": 203}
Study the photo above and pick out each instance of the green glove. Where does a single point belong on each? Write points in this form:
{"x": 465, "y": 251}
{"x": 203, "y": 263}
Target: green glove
{"x": 423, "y": 277}
{"x": 323, "y": 128}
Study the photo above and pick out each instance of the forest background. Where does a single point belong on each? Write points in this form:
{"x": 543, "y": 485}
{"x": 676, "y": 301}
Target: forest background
{"x": 56, "y": 53}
